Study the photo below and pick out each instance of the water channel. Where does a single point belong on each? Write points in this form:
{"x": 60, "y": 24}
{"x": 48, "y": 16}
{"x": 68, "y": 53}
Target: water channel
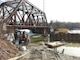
{"x": 71, "y": 51}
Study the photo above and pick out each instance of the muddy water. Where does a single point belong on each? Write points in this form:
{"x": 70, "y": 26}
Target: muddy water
{"x": 71, "y": 51}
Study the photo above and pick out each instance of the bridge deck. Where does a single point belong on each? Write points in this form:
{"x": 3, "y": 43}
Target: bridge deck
{"x": 25, "y": 27}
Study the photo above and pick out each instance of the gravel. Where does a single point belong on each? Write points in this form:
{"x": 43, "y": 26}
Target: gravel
{"x": 39, "y": 52}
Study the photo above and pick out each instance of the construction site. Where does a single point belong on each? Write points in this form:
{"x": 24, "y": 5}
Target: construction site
{"x": 16, "y": 44}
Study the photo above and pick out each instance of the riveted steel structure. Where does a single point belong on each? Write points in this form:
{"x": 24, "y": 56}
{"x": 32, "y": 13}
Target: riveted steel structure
{"x": 22, "y": 14}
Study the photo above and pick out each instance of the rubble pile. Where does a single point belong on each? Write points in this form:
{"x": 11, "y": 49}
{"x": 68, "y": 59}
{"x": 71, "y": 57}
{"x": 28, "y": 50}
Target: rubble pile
{"x": 7, "y": 50}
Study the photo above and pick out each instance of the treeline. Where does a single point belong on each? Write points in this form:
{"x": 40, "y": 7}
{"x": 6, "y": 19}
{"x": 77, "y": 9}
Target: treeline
{"x": 69, "y": 25}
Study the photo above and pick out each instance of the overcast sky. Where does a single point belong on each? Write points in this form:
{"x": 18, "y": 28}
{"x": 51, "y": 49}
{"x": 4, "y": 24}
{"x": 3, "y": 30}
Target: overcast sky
{"x": 61, "y": 10}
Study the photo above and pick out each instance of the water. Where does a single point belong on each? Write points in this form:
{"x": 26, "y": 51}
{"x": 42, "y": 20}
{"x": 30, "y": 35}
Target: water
{"x": 29, "y": 32}
{"x": 71, "y": 51}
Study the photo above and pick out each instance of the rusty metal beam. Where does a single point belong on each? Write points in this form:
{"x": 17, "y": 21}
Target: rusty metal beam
{"x": 22, "y": 13}
{"x": 25, "y": 27}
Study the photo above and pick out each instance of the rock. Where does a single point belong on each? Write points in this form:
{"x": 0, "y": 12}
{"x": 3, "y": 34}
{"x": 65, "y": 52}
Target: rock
{"x": 22, "y": 48}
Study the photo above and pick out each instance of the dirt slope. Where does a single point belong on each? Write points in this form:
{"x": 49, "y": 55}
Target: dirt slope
{"x": 7, "y": 50}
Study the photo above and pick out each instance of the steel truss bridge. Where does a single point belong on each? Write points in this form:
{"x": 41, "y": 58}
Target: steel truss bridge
{"x": 21, "y": 14}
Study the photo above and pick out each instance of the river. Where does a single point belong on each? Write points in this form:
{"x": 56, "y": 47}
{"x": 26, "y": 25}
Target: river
{"x": 71, "y": 51}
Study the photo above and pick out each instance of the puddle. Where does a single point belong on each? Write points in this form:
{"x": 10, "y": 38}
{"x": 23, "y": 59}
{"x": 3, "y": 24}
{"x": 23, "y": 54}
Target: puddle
{"x": 71, "y": 51}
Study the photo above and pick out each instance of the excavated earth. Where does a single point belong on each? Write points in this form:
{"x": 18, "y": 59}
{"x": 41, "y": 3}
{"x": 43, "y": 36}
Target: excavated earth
{"x": 34, "y": 52}
{"x": 40, "y": 52}
{"x": 7, "y": 50}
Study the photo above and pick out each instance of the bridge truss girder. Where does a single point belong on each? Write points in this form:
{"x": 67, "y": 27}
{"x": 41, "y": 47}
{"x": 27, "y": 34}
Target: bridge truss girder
{"x": 22, "y": 12}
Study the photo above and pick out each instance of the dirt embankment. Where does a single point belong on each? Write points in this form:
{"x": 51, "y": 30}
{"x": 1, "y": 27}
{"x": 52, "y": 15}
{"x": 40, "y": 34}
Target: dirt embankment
{"x": 35, "y": 52}
{"x": 7, "y": 50}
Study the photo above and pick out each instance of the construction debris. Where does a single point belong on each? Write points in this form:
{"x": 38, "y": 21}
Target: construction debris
{"x": 38, "y": 52}
{"x": 55, "y": 44}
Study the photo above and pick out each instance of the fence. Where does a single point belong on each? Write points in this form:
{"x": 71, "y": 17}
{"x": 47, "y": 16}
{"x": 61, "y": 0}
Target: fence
{"x": 66, "y": 37}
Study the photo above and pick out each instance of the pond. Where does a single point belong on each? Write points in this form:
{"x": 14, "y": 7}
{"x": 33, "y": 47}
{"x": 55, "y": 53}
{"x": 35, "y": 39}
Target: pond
{"x": 71, "y": 51}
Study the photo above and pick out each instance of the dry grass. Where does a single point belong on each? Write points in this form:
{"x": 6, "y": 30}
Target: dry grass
{"x": 73, "y": 44}
{"x": 38, "y": 39}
